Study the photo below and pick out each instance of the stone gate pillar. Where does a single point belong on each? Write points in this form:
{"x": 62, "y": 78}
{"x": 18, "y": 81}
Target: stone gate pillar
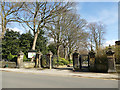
{"x": 117, "y": 51}
{"x": 19, "y": 63}
{"x": 80, "y": 61}
{"x": 49, "y": 55}
{"x": 38, "y": 59}
{"x": 111, "y": 60}
{"x": 76, "y": 63}
{"x": 91, "y": 60}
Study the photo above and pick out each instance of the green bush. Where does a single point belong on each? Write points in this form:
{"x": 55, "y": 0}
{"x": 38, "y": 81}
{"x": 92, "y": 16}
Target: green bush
{"x": 101, "y": 62}
{"x": 25, "y": 58}
{"x": 101, "y": 59}
{"x": 14, "y": 59}
{"x": 117, "y": 54}
{"x": 61, "y": 61}
{"x": 11, "y": 57}
{"x": 71, "y": 61}
{"x": 43, "y": 61}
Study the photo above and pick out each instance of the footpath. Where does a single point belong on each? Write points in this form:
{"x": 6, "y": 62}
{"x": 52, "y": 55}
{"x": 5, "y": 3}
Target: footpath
{"x": 62, "y": 72}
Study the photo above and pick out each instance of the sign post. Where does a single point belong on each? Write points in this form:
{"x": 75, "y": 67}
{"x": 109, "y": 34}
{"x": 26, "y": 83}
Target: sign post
{"x": 31, "y": 53}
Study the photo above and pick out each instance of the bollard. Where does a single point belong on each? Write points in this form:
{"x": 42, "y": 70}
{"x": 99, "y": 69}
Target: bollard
{"x": 91, "y": 60}
{"x": 111, "y": 60}
{"x": 19, "y": 63}
{"x": 76, "y": 63}
{"x": 50, "y": 60}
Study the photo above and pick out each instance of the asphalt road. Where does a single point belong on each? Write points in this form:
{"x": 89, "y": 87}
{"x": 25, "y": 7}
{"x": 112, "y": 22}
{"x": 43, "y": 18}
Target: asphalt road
{"x": 25, "y": 80}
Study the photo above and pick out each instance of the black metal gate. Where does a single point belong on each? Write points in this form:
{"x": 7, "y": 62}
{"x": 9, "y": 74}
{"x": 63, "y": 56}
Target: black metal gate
{"x": 45, "y": 61}
{"x": 84, "y": 61}
{"x": 55, "y": 61}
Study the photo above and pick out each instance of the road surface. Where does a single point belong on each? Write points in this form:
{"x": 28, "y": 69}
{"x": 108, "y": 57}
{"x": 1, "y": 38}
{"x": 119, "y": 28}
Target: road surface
{"x": 27, "y": 80}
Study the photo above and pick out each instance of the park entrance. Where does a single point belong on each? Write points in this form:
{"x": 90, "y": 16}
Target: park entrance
{"x": 84, "y": 62}
{"x": 80, "y": 61}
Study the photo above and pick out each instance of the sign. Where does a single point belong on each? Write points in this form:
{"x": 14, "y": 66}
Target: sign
{"x": 31, "y": 54}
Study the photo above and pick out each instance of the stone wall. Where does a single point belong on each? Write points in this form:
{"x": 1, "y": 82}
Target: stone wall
{"x": 101, "y": 68}
{"x": 28, "y": 65}
{"x": 118, "y": 68}
{"x": 13, "y": 64}
{"x": 9, "y": 64}
{"x": 104, "y": 68}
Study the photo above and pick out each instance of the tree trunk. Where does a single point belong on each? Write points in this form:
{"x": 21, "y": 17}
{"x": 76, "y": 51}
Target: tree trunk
{"x": 69, "y": 53}
{"x": 69, "y": 57}
{"x": 96, "y": 47}
{"x": 58, "y": 55}
{"x": 58, "y": 50}
{"x": 34, "y": 42}
{"x": 64, "y": 51}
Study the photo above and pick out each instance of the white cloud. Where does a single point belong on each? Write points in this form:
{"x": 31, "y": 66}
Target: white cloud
{"x": 109, "y": 42}
{"x": 106, "y": 16}
{"x": 78, "y": 7}
{"x": 17, "y": 29}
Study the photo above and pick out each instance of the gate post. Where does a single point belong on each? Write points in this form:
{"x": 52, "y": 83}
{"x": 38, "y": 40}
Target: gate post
{"x": 88, "y": 61}
{"x": 37, "y": 61}
{"x": 76, "y": 61}
{"x": 80, "y": 58}
{"x": 50, "y": 59}
{"x": 117, "y": 52}
{"x": 91, "y": 60}
{"x": 19, "y": 63}
{"x": 111, "y": 60}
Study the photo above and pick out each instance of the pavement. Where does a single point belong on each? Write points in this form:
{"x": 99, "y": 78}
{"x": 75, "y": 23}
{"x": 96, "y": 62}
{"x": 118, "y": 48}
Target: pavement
{"x": 64, "y": 72}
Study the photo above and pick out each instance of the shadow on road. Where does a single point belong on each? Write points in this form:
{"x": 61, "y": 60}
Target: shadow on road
{"x": 84, "y": 69}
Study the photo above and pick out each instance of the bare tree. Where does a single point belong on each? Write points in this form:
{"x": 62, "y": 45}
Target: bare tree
{"x": 69, "y": 32}
{"x": 56, "y": 32}
{"x": 8, "y": 12}
{"x": 74, "y": 33}
{"x": 38, "y": 15}
{"x": 96, "y": 34}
